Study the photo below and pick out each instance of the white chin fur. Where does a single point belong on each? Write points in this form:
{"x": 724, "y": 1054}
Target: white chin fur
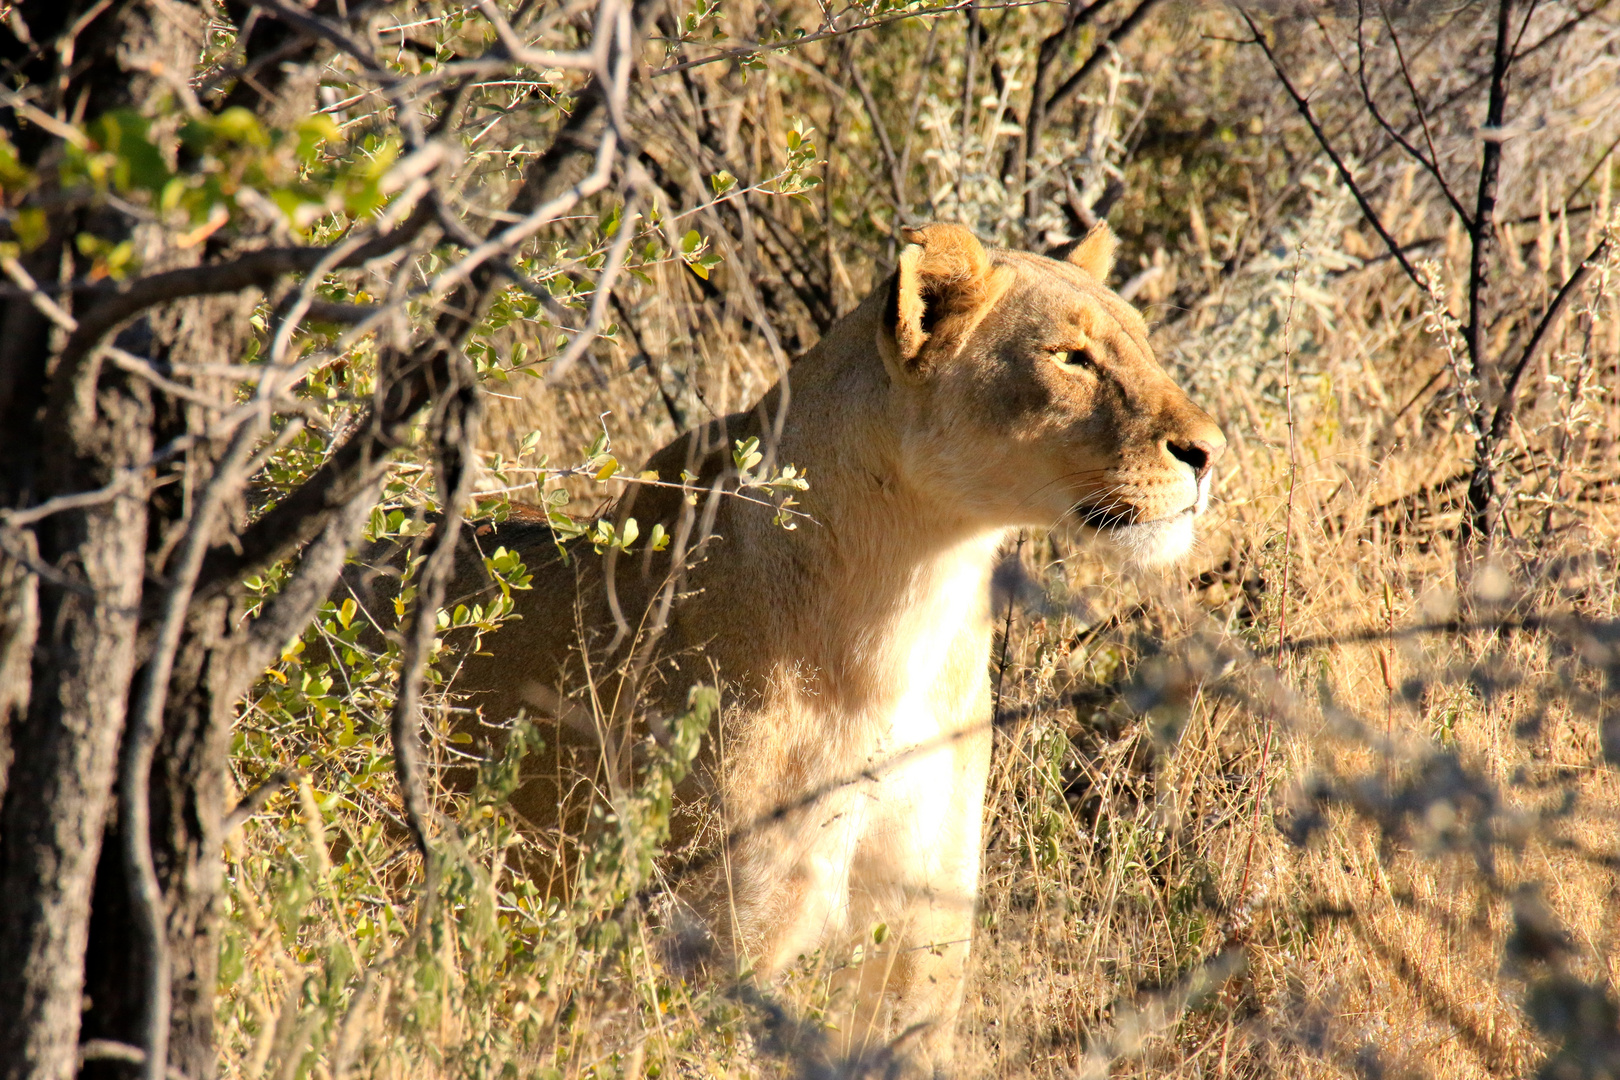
{"x": 1152, "y": 543}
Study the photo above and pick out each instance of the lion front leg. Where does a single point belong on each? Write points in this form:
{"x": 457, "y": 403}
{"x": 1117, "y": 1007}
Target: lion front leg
{"x": 787, "y": 885}
{"x": 916, "y": 874}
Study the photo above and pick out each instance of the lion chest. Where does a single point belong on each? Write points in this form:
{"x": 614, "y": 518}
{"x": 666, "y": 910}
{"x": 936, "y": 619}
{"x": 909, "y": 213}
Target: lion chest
{"x": 927, "y": 738}
{"x": 913, "y": 672}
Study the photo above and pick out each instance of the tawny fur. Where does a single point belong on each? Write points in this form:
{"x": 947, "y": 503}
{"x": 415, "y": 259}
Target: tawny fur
{"x": 853, "y": 652}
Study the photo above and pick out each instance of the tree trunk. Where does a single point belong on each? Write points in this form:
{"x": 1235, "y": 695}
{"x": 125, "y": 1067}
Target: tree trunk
{"x": 65, "y": 745}
{"x": 188, "y": 809}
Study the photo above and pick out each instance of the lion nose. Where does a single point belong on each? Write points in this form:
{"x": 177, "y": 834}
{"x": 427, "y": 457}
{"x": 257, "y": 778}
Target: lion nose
{"x": 1201, "y": 454}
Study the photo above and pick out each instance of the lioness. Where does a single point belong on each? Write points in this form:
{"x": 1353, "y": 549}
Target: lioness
{"x": 972, "y": 393}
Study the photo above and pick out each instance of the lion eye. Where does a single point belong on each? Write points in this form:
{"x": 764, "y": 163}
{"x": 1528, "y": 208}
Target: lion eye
{"x": 1077, "y": 358}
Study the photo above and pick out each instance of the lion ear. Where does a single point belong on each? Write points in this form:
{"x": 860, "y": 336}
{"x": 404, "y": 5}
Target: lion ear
{"x": 944, "y": 271}
{"x": 1095, "y": 253}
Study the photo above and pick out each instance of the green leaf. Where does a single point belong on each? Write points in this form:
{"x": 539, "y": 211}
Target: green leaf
{"x": 138, "y": 164}
{"x": 313, "y": 131}
{"x": 691, "y": 242}
{"x": 14, "y": 175}
{"x": 30, "y": 227}
{"x": 238, "y": 125}
{"x": 747, "y": 454}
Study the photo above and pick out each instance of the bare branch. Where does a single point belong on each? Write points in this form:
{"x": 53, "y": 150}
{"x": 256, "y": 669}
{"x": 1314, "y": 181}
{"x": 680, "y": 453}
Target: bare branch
{"x": 290, "y": 611}
{"x": 110, "y": 1050}
{"x": 124, "y": 360}
{"x": 534, "y": 220}
{"x": 743, "y": 51}
{"x": 79, "y": 500}
{"x": 36, "y": 296}
{"x": 320, "y": 28}
{"x": 897, "y": 179}
{"x": 332, "y": 312}
{"x": 455, "y": 430}
{"x": 601, "y": 297}
{"x": 524, "y": 54}
{"x": 1430, "y": 163}
{"x": 409, "y": 384}
{"x": 35, "y": 115}
{"x": 1304, "y": 108}
{"x": 1480, "y": 521}
{"x": 1482, "y": 232}
{"x": 18, "y": 545}
{"x": 145, "y": 724}
{"x": 1071, "y": 86}
{"x": 1040, "y": 102}
{"x": 257, "y": 269}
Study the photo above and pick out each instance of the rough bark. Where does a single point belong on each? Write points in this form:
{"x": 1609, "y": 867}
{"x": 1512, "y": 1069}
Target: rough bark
{"x": 65, "y": 746}
{"x": 188, "y": 808}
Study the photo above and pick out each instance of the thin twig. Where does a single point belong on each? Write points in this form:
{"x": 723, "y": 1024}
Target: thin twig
{"x": 45, "y": 305}
{"x": 897, "y": 180}
{"x": 1288, "y": 552}
{"x": 1071, "y": 86}
{"x": 1508, "y": 402}
{"x": 109, "y": 1050}
{"x": 539, "y": 59}
{"x": 255, "y": 800}
{"x": 140, "y": 743}
{"x": 747, "y": 51}
{"x": 603, "y": 293}
{"x": 1417, "y": 106}
{"x": 454, "y": 429}
{"x": 255, "y": 269}
{"x": 145, "y": 722}
{"x": 127, "y": 361}
{"x": 415, "y": 378}
{"x": 19, "y": 546}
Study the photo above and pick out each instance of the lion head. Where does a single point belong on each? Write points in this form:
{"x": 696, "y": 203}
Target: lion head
{"x": 1031, "y": 394}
